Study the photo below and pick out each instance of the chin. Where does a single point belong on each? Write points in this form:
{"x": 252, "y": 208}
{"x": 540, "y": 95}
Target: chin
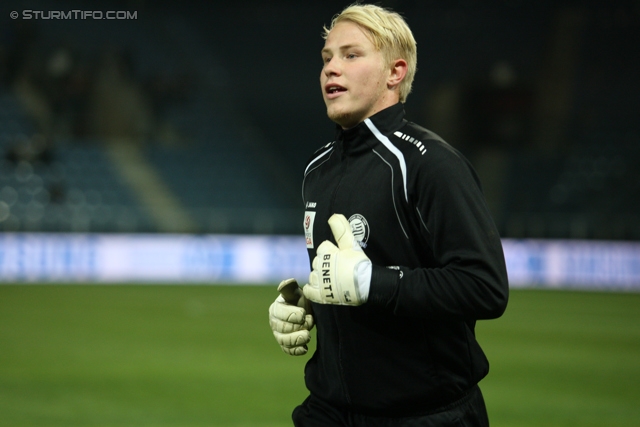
{"x": 343, "y": 118}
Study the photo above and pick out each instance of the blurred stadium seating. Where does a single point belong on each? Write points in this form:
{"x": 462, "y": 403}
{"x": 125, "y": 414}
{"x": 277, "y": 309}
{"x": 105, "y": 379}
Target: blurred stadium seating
{"x": 220, "y": 106}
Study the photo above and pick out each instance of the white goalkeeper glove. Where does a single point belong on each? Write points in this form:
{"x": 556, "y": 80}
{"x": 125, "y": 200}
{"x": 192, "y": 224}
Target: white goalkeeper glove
{"x": 291, "y": 318}
{"x": 341, "y": 274}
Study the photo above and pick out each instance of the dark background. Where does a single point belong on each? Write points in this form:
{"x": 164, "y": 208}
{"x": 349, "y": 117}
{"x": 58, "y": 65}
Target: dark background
{"x": 221, "y": 102}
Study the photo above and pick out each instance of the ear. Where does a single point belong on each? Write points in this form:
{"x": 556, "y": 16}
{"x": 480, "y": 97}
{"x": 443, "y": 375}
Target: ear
{"x": 396, "y": 73}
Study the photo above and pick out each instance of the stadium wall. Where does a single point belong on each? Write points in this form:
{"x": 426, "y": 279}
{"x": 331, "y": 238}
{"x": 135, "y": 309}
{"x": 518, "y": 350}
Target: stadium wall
{"x": 233, "y": 259}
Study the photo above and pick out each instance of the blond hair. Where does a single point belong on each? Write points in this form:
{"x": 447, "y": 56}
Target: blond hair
{"x": 389, "y": 34}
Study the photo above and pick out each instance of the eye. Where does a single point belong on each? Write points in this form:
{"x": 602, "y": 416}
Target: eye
{"x": 351, "y": 56}
{"x": 326, "y": 59}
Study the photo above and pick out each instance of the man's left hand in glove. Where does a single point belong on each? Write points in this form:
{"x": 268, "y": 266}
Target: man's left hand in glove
{"x": 341, "y": 274}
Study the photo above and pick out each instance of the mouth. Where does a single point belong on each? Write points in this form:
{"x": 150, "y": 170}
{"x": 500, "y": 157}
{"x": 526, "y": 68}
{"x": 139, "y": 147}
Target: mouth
{"x": 332, "y": 90}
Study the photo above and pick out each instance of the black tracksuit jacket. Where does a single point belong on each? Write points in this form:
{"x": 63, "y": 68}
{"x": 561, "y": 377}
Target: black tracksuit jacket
{"x": 417, "y": 207}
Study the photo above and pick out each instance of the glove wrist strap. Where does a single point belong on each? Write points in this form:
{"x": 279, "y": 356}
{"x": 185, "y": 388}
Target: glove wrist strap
{"x": 362, "y": 279}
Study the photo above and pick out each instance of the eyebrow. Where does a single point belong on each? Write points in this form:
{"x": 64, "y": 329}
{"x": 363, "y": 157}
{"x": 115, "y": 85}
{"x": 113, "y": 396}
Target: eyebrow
{"x": 341, "y": 48}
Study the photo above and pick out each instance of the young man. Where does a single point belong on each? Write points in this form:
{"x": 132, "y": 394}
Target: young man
{"x": 405, "y": 257}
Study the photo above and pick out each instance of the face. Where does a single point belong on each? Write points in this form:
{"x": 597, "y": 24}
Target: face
{"x": 354, "y": 79}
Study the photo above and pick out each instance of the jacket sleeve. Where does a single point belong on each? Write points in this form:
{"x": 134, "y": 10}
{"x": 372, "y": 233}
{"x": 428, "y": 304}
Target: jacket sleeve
{"x": 468, "y": 279}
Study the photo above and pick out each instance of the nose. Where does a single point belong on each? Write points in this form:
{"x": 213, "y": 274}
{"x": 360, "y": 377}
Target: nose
{"x": 331, "y": 67}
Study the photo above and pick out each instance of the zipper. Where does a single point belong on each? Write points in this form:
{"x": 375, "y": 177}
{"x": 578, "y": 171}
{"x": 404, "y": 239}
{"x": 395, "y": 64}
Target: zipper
{"x": 343, "y": 171}
{"x": 345, "y": 389}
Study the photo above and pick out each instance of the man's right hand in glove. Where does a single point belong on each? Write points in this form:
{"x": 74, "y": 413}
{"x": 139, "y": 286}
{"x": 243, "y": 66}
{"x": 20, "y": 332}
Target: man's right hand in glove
{"x": 291, "y": 318}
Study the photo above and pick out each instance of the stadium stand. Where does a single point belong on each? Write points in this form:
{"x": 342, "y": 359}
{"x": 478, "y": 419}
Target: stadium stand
{"x": 69, "y": 187}
{"x": 589, "y": 187}
{"x": 210, "y": 159}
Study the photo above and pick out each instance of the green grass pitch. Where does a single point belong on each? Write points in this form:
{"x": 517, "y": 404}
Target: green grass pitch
{"x": 119, "y": 356}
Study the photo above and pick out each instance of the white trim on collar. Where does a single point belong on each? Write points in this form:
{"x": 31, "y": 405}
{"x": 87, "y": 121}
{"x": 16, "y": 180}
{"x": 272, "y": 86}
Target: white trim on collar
{"x": 387, "y": 143}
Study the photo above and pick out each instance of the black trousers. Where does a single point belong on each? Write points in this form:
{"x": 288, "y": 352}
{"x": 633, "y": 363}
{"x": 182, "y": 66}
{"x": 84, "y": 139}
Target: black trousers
{"x": 469, "y": 411}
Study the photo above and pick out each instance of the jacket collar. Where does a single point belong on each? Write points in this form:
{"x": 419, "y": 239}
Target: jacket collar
{"x": 386, "y": 121}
